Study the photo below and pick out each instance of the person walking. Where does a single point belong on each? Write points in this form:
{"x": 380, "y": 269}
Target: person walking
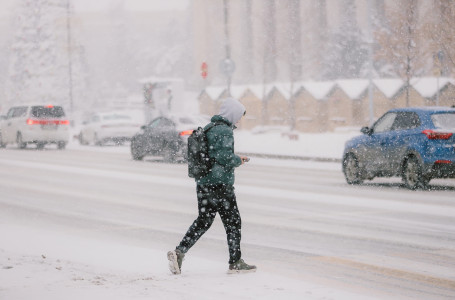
{"x": 215, "y": 191}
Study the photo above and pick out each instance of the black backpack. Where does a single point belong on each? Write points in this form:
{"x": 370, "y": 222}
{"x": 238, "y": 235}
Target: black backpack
{"x": 199, "y": 162}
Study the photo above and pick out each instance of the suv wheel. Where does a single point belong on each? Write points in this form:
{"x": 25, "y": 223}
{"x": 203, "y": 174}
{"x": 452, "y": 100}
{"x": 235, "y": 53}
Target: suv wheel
{"x": 61, "y": 145}
{"x": 136, "y": 151}
{"x": 98, "y": 142}
{"x": 20, "y": 142}
{"x": 2, "y": 144}
{"x": 82, "y": 141}
{"x": 351, "y": 169}
{"x": 412, "y": 174}
{"x": 169, "y": 155}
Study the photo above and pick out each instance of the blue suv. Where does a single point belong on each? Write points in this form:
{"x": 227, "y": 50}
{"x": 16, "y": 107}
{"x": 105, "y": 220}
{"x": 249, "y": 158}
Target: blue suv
{"x": 417, "y": 144}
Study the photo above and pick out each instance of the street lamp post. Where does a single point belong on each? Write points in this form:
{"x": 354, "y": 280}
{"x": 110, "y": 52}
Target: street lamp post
{"x": 70, "y": 67}
{"x": 370, "y": 66}
{"x": 227, "y": 66}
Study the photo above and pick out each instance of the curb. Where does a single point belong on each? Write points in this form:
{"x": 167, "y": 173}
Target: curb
{"x": 291, "y": 157}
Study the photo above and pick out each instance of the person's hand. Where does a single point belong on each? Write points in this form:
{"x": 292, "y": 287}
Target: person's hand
{"x": 244, "y": 159}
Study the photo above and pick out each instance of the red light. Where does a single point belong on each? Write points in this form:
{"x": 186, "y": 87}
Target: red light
{"x": 434, "y": 135}
{"x": 186, "y": 132}
{"x": 47, "y": 122}
{"x": 443, "y": 162}
{"x": 50, "y": 106}
{"x": 204, "y": 70}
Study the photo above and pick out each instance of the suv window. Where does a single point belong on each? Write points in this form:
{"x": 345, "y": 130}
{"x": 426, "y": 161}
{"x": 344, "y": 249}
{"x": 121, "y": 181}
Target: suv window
{"x": 17, "y": 112}
{"x": 385, "y": 123}
{"x": 116, "y": 117}
{"x": 444, "y": 120}
{"x": 154, "y": 123}
{"x": 47, "y": 112}
{"x": 406, "y": 120}
{"x": 166, "y": 123}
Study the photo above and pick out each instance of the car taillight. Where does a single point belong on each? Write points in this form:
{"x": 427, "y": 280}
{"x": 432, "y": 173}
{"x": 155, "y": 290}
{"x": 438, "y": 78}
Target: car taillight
{"x": 443, "y": 162}
{"x": 436, "y": 135}
{"x": 186, "y": 132}
{"x": 47, "y": 122}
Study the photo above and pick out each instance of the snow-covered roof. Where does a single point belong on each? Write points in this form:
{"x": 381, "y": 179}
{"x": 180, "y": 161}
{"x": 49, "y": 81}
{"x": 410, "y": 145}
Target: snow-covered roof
{"x": 160, "y": 79}
{"x": 318, "y": 89}
{"x": 428, "y": 86}
{"x": 257, "y": 90}
{"x": 284, "y": 89}
{"x": 214, "y": 92}
{"x": 389, "y": 86}
{"x": 354, "y": 88}
{"x": 237, "y": 91}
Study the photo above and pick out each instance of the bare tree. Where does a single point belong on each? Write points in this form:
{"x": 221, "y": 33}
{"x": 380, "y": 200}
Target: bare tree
{"x": 295, "y": 53}
{"x": 270, "y": 52}
{"x": 440, "y": 31}
{"x": 400, "y": 42}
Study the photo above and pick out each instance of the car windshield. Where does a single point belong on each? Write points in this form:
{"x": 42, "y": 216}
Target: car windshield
{"x": 444, "y": 120}
{"x": 47, "y": 112}
{"x": 198, "y": 120}
{"x": 116, "y": 117}
{"x": 185, "y": 120}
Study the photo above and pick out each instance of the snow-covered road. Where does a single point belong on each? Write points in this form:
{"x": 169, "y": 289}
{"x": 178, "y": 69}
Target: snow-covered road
{"x": 86, "y": 223}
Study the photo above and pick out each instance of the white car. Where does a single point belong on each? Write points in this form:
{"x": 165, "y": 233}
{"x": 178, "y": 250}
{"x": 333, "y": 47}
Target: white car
{"x": 108, "y": 127}
{"x": 35, "y": 124}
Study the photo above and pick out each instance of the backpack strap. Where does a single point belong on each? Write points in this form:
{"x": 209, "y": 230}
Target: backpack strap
{"x": 211, "y": 125}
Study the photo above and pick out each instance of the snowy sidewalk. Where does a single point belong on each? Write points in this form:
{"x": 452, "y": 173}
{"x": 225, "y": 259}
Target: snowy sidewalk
{"x": 308, "y": 146}
{"x": 322, "y": 147}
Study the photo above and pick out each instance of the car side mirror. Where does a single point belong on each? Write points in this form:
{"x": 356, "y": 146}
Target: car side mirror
{"x": 143, "y": 127}
{"x": 366, "y": 130}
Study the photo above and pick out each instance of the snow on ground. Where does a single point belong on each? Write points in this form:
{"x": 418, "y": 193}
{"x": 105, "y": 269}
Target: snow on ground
{"x": 44, "y": 264}
{"x": 49, "y": 263}
{"x": 274, "y": 141}
{"x": 320, "y": 145}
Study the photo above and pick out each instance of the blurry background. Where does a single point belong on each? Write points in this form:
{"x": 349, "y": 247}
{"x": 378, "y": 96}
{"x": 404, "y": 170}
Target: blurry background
{"x": 353, "y": 58}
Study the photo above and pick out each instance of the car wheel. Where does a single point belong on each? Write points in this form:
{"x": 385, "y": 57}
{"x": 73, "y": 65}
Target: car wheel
{"x": 61, "y": 145}
{"x": 412, "y": 174}
{"x": 97, "y": 141}
{"x": 20, "y": 142}
{"x": 169, "y": 155}
{"x": 136, "y": 151}
{"x": 81, "y": 139}
{"x": 2, "y": 144}
{"x": 185, "y": 154}
{"x": 351, "y": 169}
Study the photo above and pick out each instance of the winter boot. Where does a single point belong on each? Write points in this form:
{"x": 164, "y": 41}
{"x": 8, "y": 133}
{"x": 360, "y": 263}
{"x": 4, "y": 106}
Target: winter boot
{"x": 241, "y": 267}
{"x": 175, "y": 258}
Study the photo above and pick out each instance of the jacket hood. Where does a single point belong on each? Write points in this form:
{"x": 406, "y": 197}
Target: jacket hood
{"x": 232, "y": 110}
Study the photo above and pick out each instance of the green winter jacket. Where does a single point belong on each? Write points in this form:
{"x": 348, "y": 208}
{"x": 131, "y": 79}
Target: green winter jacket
{"x": 221, "y": 147}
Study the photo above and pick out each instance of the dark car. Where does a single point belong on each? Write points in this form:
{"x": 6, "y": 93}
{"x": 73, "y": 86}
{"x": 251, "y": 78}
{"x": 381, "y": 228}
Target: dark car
{"x": 166, "y": 136}
{"x": 417, "y": 144}
{"x": 2, "y": 145}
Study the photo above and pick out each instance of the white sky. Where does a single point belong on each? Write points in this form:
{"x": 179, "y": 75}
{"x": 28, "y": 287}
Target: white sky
{"x": 133, "y": 5}
{"x": 100, "y": 5}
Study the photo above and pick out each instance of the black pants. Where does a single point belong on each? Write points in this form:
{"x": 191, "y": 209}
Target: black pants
{"x": 211, "y": 200}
